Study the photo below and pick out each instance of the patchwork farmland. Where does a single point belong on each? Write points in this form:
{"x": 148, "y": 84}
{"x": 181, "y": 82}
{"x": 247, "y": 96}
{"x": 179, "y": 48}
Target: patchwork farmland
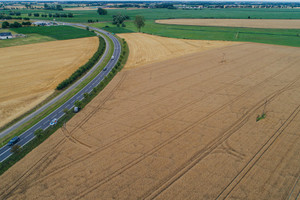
{"x": 182, "y": 128}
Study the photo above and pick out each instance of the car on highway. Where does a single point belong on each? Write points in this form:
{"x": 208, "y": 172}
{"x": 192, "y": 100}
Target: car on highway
{"x": 112, "y": 57}
{"x": 105, "y": 69}
{"x": 53, "y": 122}
{"x": 13, "y": 141}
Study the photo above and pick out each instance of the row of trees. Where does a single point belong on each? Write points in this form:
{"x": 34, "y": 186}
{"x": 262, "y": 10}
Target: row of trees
{"x": 52, "y": 7}
{"x": 12, "y": 13}
{"x": 83, "y": 69}
{"x": 165, "y": 5}
{"x": 15, "y": 24}
{"x": 3, "y": 16}
{"x": 57, "y": 15}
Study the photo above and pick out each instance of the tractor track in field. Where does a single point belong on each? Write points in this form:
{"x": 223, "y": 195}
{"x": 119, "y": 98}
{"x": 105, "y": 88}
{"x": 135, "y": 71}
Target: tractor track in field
{"x": 257, "y": 156}
{"x": 211, "y": 147}
{"x": 86, "y": 156}
{"x": 32, "y": 169}
{"x": 201, "y": 154}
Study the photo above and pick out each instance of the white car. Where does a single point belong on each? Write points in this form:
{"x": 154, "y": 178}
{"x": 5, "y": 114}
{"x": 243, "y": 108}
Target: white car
{"x": 53, "y": 122}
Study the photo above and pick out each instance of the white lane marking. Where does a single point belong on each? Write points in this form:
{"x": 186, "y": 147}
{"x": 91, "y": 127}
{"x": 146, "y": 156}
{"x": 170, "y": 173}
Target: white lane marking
{"x": 4, "y": 152}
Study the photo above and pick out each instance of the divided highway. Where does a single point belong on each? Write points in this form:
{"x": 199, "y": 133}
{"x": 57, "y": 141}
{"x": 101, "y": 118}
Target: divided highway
{"x": 28, "y": 135}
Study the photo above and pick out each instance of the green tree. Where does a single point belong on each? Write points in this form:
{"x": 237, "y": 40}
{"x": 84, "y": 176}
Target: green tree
{"x": 39, "y": 133}
{"x": 66, "y": 111}
{"x": 16, "y": 149}
{"x": 78, "y": 104}
{"x": 5, "y": 24}
{"x": 119, "y": 19}
{"x": 59, "y": 7}
{"x": 102, "y": 11}
{"x": 139, "y": 22}
{"x": 86, "y": 95}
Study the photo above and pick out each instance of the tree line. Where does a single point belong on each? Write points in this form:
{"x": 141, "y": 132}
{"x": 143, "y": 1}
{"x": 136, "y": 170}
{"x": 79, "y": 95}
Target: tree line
{"x": 83, "y": 69}
{"x": 57, "y": 15}
{"x": 15, "y": 24}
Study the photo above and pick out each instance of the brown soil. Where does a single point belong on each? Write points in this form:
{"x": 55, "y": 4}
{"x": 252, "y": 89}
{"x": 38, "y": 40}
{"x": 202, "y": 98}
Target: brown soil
{"x": 251, "y": 23}
{"x": 147, "y": 49}
{"x": 184, "y": 128}
{"x": 30, "y": 73}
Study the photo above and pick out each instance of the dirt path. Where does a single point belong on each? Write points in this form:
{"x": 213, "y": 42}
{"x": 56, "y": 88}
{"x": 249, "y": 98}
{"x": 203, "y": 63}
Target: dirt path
{"x": 247, "y": 23}
{"x": 30, "y": 73}
{"x": 183, "y": 128}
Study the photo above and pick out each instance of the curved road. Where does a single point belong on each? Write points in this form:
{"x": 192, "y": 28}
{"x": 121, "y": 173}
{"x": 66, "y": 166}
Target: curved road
{"x": 28, "y": 135}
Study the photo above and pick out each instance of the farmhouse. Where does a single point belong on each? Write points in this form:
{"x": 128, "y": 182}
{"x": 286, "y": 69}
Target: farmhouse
{"x": 6, "y": 35}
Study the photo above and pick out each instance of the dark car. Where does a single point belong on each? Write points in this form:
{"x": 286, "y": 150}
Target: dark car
{"x": 13, "y": 141}
{"x": 105, "y": 69}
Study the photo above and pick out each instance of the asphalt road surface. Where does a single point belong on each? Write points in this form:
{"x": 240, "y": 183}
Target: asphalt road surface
{"x": 28, "y": 135}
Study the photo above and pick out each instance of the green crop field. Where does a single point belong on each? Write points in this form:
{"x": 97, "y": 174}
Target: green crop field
{"x": 289, "y": 37}
{"x": 152, "y": 14}
{"x": 29, "y": 39}
{"x": 56, "y": 32}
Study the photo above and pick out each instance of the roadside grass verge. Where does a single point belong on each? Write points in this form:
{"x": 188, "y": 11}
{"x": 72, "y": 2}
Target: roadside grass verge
{"x": 51, "y": 108}
{"x": 5, "y": 165}
{"x": 288, "y": 37}
{"x": 56, "y": 32}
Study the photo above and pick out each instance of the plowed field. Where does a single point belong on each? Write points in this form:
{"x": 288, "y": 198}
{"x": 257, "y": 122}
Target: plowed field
{"x": 30, "y": 73}
{"x": 184, "y": 128}
{"x": 249, "y": 23}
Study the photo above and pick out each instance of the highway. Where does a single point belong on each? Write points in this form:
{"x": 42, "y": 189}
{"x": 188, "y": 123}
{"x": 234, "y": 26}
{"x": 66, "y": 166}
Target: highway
{"x": 28, "y": 135}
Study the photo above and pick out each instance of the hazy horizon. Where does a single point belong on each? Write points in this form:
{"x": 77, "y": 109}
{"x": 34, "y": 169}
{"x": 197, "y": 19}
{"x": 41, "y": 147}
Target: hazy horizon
{"x": 281, "y": 1}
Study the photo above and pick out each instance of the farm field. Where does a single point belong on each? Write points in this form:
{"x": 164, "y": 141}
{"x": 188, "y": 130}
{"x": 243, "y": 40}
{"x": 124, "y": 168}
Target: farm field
{"x": 183, "y": 128}
{"x": 40, "y": 68}
{"x": 147, "y": 49}
{"x": 288, "y": 37}
{"x": 153, "y": 14}
{"x": 43, "y": 34}
{"x": 246, "y": 23}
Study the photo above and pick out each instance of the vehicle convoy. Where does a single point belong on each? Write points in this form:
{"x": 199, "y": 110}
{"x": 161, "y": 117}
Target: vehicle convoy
{"x": 13, "y": 141}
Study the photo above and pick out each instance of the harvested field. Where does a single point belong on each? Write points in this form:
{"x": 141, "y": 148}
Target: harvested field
{"x": 184, "y": 128}
{"x": 147, "y": 49}
{"x": 30, "y": 73}
{"x": 246, "y": 23}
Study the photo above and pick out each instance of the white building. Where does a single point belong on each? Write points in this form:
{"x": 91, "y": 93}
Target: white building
{"x": 5, "y": 35}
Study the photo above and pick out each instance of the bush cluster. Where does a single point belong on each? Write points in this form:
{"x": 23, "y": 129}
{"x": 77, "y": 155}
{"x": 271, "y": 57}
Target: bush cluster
{"x": 83, "y": 69}
{"x": 13, "y": 25}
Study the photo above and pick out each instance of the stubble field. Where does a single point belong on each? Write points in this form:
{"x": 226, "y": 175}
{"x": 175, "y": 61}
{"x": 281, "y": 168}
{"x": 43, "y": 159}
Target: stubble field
{"x": 183, "y": 128}
{"x": 246, "y": 23}
{"x": 30, "y": 73}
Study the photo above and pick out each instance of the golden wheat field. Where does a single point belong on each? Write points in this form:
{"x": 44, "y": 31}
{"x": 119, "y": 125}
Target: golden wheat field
{"x": 246, "y": 23}
{"x": 182, "y": 128}
{"x": 30, "y": 73}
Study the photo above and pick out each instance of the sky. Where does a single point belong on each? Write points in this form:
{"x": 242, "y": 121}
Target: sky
{"x": 172, "y": 0}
